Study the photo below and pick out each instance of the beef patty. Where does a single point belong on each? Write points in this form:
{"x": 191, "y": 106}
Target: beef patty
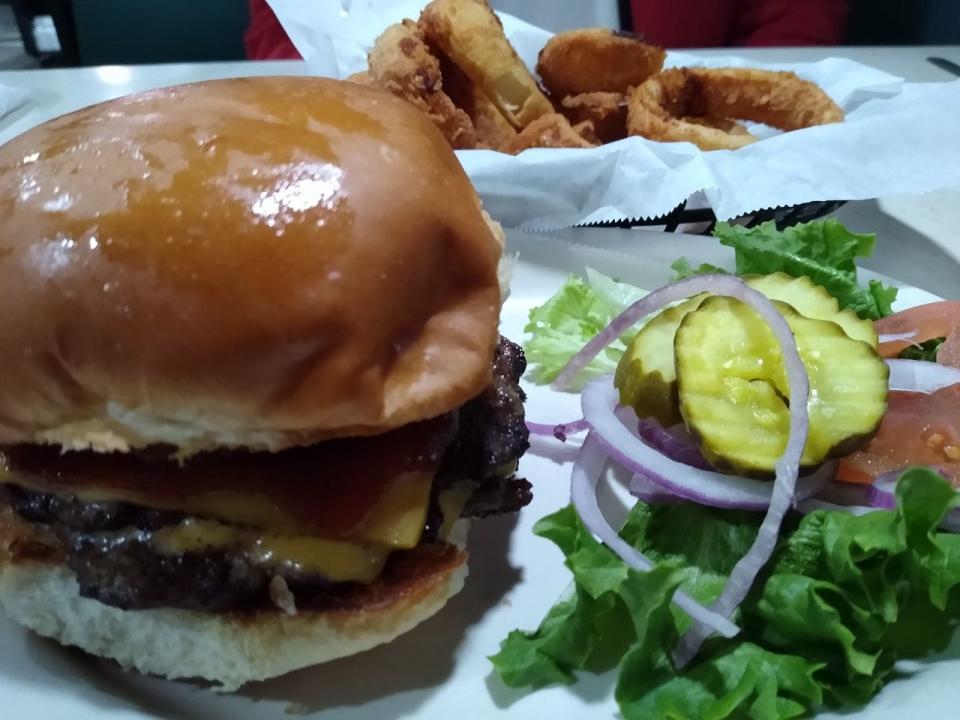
{"x": 109, "y": 544}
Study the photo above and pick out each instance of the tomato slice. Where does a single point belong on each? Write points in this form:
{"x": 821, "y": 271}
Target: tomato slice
{"x": 949, "y": 352}
{"x": 918, "y": 429}
{"x": 930, "y": 321}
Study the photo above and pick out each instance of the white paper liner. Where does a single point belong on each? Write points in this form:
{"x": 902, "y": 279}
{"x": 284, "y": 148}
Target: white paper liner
{"x": 897, "y": 138}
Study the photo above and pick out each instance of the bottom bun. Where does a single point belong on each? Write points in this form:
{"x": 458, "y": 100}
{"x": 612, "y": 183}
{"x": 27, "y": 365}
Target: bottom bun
{"x": 230, "y": 650}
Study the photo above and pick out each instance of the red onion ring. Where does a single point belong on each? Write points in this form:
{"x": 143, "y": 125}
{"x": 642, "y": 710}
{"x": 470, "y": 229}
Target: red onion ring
{"x": 882, "y": 492}
{"x": 583, "y": 491}
{"x": 674, "y": 442}
{"x": 649, "y": 304}
{"x": 840, "y": 497}
{"x": 814, "y": 504}
{"x": 896, "y": 337}
{"x": 645, "y": 490}
{"x": 787, "y": 467}
{"x": 560, "y": 430}
{"x": 921, "y": 376}
{"x": 706, "y": 487}
{"x": 882, "y": 495}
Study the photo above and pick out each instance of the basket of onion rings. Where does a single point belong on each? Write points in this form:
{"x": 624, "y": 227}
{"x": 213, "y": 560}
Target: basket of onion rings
{"x": 595, "y": 86}
{"x": 597, "y": 127}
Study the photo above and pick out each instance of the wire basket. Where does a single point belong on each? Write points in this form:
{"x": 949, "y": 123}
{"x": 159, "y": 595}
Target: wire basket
{"x": 701, "y": 221}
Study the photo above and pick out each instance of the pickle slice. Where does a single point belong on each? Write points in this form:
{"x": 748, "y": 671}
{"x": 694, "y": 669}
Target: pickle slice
{"x": 813, "y": 301}
{"x": 733, "y": 391}
{"x": 646, "y": 377}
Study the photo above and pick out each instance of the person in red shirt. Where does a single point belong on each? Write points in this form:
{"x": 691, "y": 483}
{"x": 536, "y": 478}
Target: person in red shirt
{"x": 265, "y": 38}
{"x": 668, "y": 23}
{"x": 740, "y": 23}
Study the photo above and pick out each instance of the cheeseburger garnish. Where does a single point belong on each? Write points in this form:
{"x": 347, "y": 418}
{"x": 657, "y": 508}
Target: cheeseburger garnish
{"x": 252, "y": 379}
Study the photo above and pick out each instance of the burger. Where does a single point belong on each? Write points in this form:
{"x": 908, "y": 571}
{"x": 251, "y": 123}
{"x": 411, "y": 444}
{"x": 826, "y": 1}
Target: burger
{"x": 251, "y": 381}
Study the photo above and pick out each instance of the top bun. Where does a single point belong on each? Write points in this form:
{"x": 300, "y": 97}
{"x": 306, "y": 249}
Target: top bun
{"x": 258, "y": 263}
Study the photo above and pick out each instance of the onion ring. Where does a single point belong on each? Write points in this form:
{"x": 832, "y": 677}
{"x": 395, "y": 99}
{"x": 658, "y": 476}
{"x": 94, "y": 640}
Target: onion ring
{"x": 559, "y": 430}
{"x": 748, "y": 567}
{"x": 885, "y": 339}
{"x": 704, "y": 487}
{"x": 674, "y": 442}
{"x": 921, "y": 376}
{"x": 779, "y": 99}
{"x": 401, "y": 64}
{"x": 493, "y": 129}
{"x": 583, "y": 493}
{"x": 596, "y": 60}
{"x": 783, "y": 491}
{"x": 731, "y": 127}
{"x": 471, "y": 35}
{"x": 361, "y": 78}
{"x": 588, "y": 132}
{"x": 607, "y": 111}
{"x": 547, "y": 131}
{"x": 882, "y": 495}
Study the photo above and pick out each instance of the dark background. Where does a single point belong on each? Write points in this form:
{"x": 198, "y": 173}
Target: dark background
{"x": 101, "y": 32}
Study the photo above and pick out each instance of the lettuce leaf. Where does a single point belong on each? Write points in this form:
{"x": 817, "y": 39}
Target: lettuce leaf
{"x": 824, "y": 251}
{"x": 926, "y": 351}
{"x": 844, "y": 598}
{"x": 570, "y": 318}
{"x": 683, "y": 269}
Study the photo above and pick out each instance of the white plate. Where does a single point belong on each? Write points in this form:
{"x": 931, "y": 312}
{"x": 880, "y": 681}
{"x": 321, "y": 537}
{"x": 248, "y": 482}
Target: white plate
{"x": 440, "y": 670}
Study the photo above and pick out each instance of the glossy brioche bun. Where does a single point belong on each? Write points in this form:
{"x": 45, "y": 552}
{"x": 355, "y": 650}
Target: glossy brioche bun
{"x": 39, "y": 592}
{"x": 257, "y": 262}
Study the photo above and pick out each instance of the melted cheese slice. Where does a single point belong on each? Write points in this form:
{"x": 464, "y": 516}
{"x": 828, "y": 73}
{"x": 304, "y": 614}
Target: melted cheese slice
{"x": 395, "y": 521}
{"x": 275, "y": 539}
{"x": 335, "y": 560}
{"x": 451, "y": 502}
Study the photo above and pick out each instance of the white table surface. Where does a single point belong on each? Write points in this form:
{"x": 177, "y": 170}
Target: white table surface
{"x": 918, "y": 235}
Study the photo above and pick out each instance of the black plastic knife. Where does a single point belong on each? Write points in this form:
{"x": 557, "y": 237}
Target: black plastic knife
{"x": 944, "y": 64}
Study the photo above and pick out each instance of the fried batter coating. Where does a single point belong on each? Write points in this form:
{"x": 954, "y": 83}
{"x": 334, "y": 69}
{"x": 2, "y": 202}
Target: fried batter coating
{"x": 362, "y": 78}
{"x": 779, "y": 99}
{"x": 401, "y": 63}
{"x": 470, "y": 33}
{"x": 605, "y": 110}
{"x": 596, "y": 60}
{"x": 726, "y": 125}
{"x": 547, "y": 131}
{"x": 588, "y": 132}
{"x": 494, "y": 131}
